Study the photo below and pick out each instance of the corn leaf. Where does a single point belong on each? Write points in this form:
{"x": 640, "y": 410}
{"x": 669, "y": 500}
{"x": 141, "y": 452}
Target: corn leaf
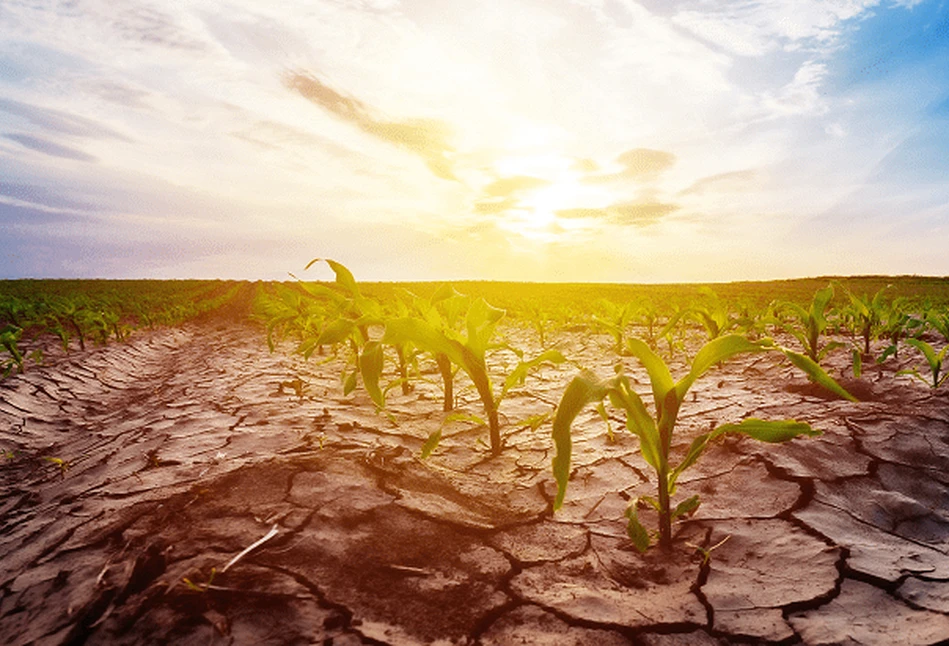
{"x": 431, "y": 443}
{"x": 773, "y": 431}
{"x": 686, "y": 507}
{"x": 816, "y": 373}
{"x": 659, "y": 374}
{"x": 370, "y": 367}
{"x": 336, "y": 332}
{"x": 344, "y": 277}
{"x": 638, "y": 421}
{"x": 712, "y": 353}
{"x": 635, "y": 530}
{"x": 819, "y": 304}
{"x": 762, "y": 430}
{"x": 928, "y": 351}
{"x": 584, "y": 389}
{"x": 349, "y": 382}
{"x": 517, "y": 376}
{"x": 429, "y": 339}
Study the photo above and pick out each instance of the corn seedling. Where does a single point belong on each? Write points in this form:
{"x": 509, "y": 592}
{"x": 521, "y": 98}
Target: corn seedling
{"x": 933, "y": 359}
{"x": 616, "y": 320}
{"x": 713, "y": 315}
{"x": 9, "y": 338}
{"x": 938, "y": 321}
{"x": 655, "y": 432}
{"x": 895, "y": 324}
{"x": 863, "y": 315}
{"x": 59, "y": 463}
{"x": 444, "y": 311}
{"x": 468, "y": 353}
{"x": 349, "y": 326}
{"x": 810, "y": 324}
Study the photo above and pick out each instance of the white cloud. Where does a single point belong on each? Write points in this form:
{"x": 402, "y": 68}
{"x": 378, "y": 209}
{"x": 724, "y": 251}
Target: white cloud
{"x": 194, "y": 97}
{"x": 800, "y": 97}
{"x": 760, "y": 27}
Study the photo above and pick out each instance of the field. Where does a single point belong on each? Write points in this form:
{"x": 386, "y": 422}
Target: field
{"x": 348, "y": 463}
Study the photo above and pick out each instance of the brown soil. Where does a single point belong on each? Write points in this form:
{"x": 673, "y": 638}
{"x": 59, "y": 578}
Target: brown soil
{"x": 135, "y": 468}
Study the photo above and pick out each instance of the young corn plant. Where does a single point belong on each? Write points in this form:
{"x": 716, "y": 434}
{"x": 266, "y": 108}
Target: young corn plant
{"x": 444, "y": 311}
{"x": 656, "y": 431}
{"x": 866, "y": 312}
{"x": 896, "y": 323}
{"x": 713, "y": 315}
{"x": 934, "y": 359}
{"x": 939, "y": 321}
{"x": 863, "y": 316}
{"x": 349, "y": 325}
{"x": 468, "y": 353}
{"x": 9, "y": 338}
{"x": 615, "y": 321}
{"x": 809, "y": 325}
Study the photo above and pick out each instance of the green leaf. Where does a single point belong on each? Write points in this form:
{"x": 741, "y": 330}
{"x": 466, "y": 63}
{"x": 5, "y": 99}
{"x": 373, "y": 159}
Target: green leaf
{"x": 634, "y": 529}
{"x": 601, "y": 410}
{"x": 344, "y": 277}
{"x": 370, "y": 367}
{"x": 349, "y": 382}
{"x": 336, "y": 332}
{"x": 762, "y": 430}
{"x": 431, "y": 443}
{"x": 517, "y": 376}
{"x": 638, "y": 420}
{"x": 584, "y": 389}
{"x": 686, "y": 507}
{"x": 857, "y": 363}
{"x": 533, "y": 422}
{"x": 480, "y": 322}
{"x": 822, "y": 298}
{"x": 651, "y": 501}
{"x": 816, "y": 373}
{"x": 928, "y": 351}
{"x": 659, "y": 375}
{"x": 713, "y": 353}
{"x": 773, "y": 431}
{"x": 429, "y": 339}
{"x": 465, "y": 417}
{"x": 888, "y": 352}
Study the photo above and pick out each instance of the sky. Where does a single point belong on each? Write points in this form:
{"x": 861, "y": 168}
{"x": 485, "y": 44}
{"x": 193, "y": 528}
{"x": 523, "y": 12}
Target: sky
{"x": 530, "y": 140}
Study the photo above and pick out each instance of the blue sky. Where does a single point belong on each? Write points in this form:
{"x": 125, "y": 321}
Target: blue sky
{"x": 585, "y": 140}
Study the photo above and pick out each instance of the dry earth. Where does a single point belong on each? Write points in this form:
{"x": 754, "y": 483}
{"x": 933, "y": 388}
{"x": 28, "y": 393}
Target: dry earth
{"x": 182, "y": 447}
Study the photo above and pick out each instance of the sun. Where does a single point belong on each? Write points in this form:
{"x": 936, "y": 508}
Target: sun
{"x": 535, "y": 214}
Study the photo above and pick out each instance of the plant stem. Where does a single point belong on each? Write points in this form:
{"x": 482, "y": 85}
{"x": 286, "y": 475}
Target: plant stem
{"x": 403, "y": 371}
{"x": 665, "y": 514}
{"x": 495, "y": 428}
{"x": 444, "y": 367}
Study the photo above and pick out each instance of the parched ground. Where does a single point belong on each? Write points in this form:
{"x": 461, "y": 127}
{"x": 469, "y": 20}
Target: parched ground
{"x": 134, "y": 473}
